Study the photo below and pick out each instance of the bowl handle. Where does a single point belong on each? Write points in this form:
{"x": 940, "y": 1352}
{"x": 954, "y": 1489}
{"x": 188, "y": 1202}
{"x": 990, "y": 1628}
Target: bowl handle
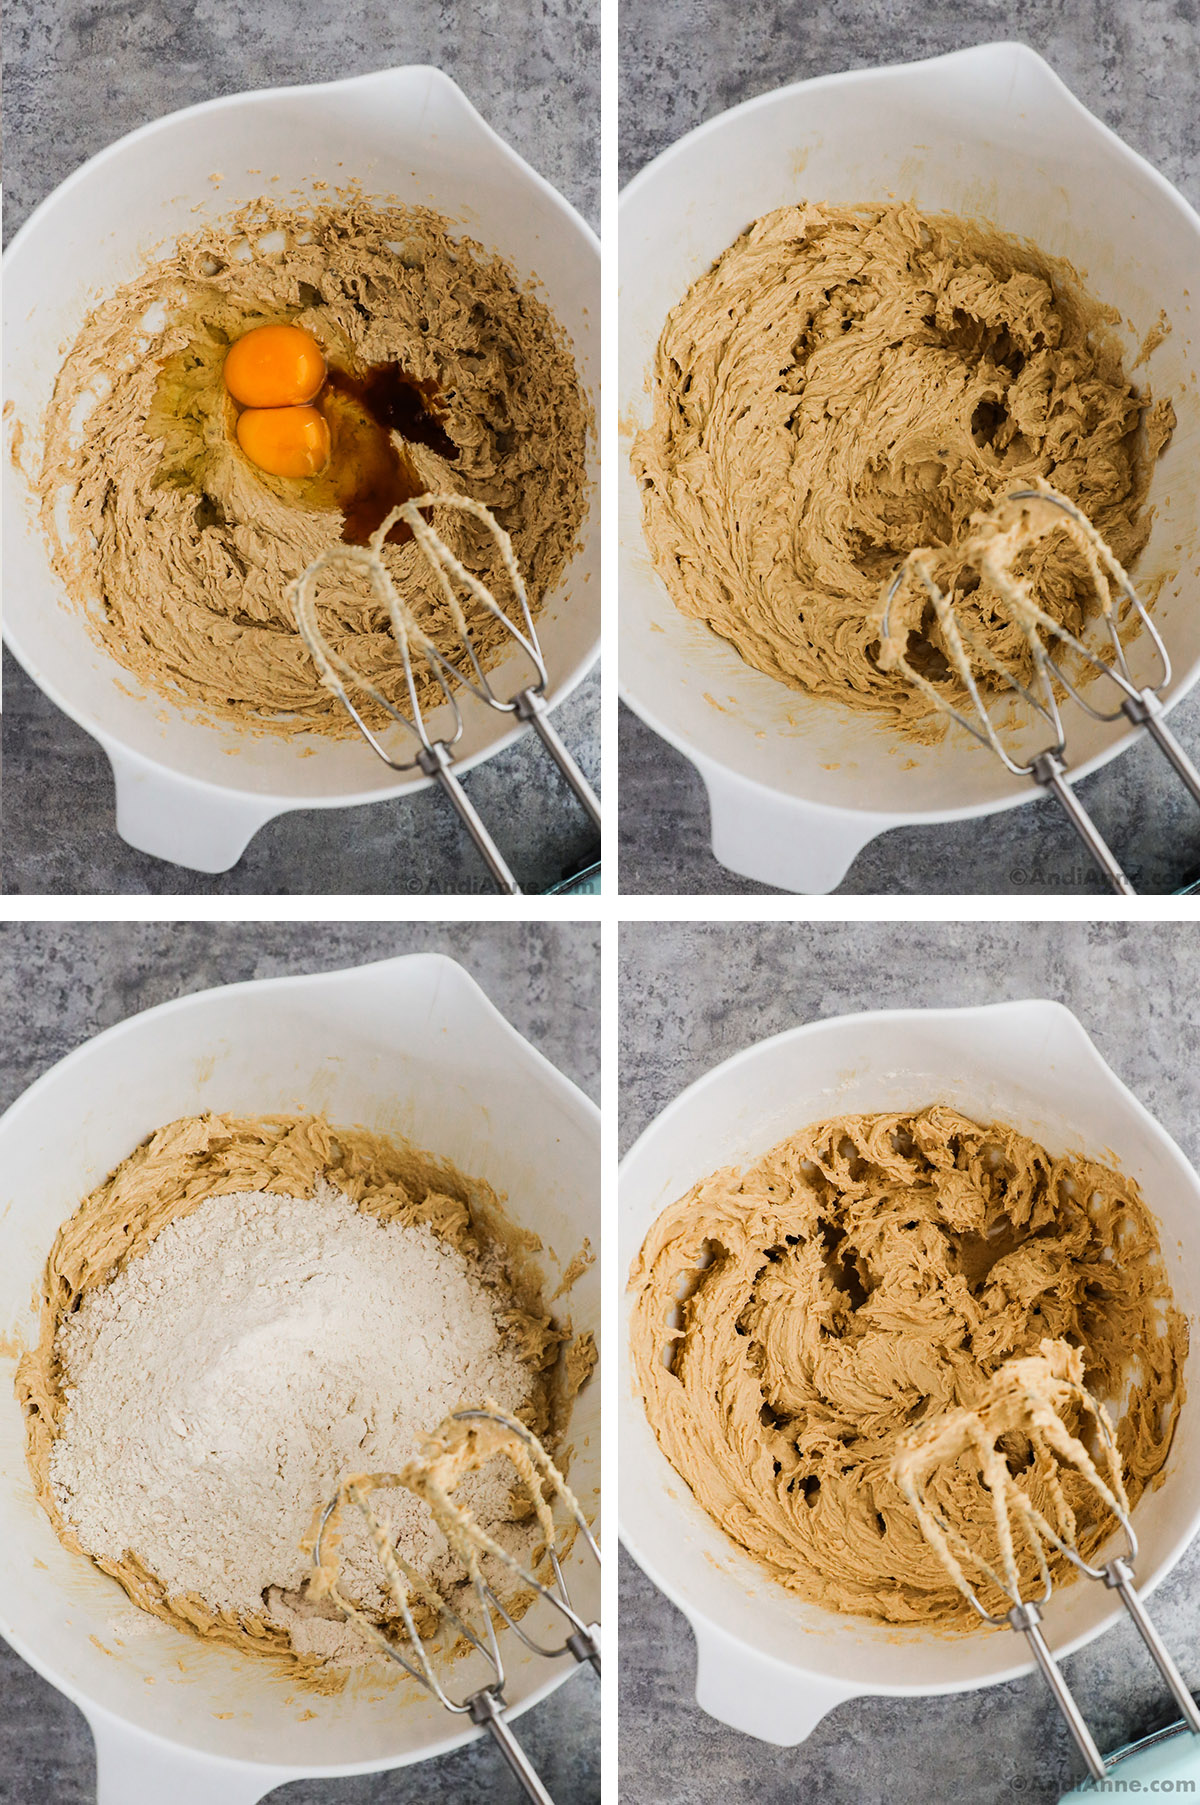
{"x": 759, "y": 1696}
{"x": 135, "y": 1769}
{"x": 777, "y": 839}
{"x": 173, "y": 817}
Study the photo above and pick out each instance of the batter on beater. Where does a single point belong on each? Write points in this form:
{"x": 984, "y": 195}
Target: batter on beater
{"x": 1022, "y": 1438}
{"x": 791, "y": 1323}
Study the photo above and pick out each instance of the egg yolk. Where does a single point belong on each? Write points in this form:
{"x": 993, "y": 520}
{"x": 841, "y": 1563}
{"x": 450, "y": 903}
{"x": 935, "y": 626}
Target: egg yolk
{"x": 285, "y": 441}
{"x": 274, "y": 366}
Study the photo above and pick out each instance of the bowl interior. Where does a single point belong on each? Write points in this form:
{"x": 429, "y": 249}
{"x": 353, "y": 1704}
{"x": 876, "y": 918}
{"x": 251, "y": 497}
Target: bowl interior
{"x": 411, "y": 1048}
{"x": 987, "y": 133}
{"x": 1027, "y": 1064}
{"x": 407, "y": 133}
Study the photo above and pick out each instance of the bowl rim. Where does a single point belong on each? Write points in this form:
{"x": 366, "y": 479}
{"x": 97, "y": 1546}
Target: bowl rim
{"x": 105, "y": 1043}
{"x": 411, "y": 781}
{"x": 1017, "y": 53}
{"x": 631, "y": 1408}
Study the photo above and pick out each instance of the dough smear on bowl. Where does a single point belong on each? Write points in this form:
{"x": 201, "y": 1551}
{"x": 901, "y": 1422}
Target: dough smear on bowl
{"x": 246, "y": 1312}
{"x": 181, "y": 549}
{"x": 791, "y": 1322}
{"x": 848, "y": 384}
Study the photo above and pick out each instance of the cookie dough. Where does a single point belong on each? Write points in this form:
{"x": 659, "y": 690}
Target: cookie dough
{"x": 181, "y": 550}
{"x": 791, "y": 1322}
{"x": 848, "y": 384}
{"x": 166, "y": 1178}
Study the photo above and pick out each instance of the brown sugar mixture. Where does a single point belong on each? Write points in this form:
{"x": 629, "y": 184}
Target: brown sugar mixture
{"x": 792, "y": 1322}
{"x": 446, "y": 374}
{"x": 848, "y": 384}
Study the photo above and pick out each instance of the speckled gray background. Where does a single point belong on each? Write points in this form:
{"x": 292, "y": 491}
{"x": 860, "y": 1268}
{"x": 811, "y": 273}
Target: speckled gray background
{"x": 1137, "y": 66}
{"x": 77, "y": 76}
{"x": 60, "y": 984}
{"x": 691, "y": 995}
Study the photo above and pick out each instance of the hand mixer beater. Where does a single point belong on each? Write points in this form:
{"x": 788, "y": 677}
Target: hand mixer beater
{"x": 467, "y": 1441}
{"x": 435, "y": 753}
{"x": 990, "y": 555}
{"x": 1024, "y": 1442}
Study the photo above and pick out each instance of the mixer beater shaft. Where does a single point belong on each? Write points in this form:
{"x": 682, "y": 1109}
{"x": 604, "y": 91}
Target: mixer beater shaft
{"x": 435, "y": 753}
{"x": 1034, "y": 1396}
{"x": 990, "y": 552}
{"x": 466, "y": 1441}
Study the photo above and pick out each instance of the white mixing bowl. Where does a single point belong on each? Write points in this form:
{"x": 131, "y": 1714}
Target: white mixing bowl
{"x": 410, "y": 1047}
{"x": 187, "y": 791}
{"x": 770, "y": 1663}
{"x": 798, "y": 787}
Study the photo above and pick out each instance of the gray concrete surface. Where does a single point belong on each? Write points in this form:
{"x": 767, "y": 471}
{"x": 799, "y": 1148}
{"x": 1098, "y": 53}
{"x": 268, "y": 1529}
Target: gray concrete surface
{"x": 692, "y": 995}
{"x": 60, "y": 838}
{"x": 79, "y": 75}
{"x": 1138, "y": 68}
{"x": 61, "y": 983}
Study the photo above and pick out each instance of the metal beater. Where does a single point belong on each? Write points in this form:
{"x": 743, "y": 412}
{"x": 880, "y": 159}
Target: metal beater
{"x": 1018, "y": 1401}
{"x": 989, "y": 553}
{"x": 435, "y": 757}
{"x": 466, "y": 1441}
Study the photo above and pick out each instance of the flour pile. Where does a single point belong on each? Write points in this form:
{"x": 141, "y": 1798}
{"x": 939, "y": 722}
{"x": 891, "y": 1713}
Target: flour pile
{"x": 220, "y": 1387}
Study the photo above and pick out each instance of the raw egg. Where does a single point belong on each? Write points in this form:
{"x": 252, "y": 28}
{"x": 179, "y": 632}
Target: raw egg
{"x": 285, "y": 441}
{"x": 274, "y": 366}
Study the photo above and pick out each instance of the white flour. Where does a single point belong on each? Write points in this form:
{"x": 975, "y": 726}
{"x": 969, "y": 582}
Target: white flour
{"x": 261, "y": 1348}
